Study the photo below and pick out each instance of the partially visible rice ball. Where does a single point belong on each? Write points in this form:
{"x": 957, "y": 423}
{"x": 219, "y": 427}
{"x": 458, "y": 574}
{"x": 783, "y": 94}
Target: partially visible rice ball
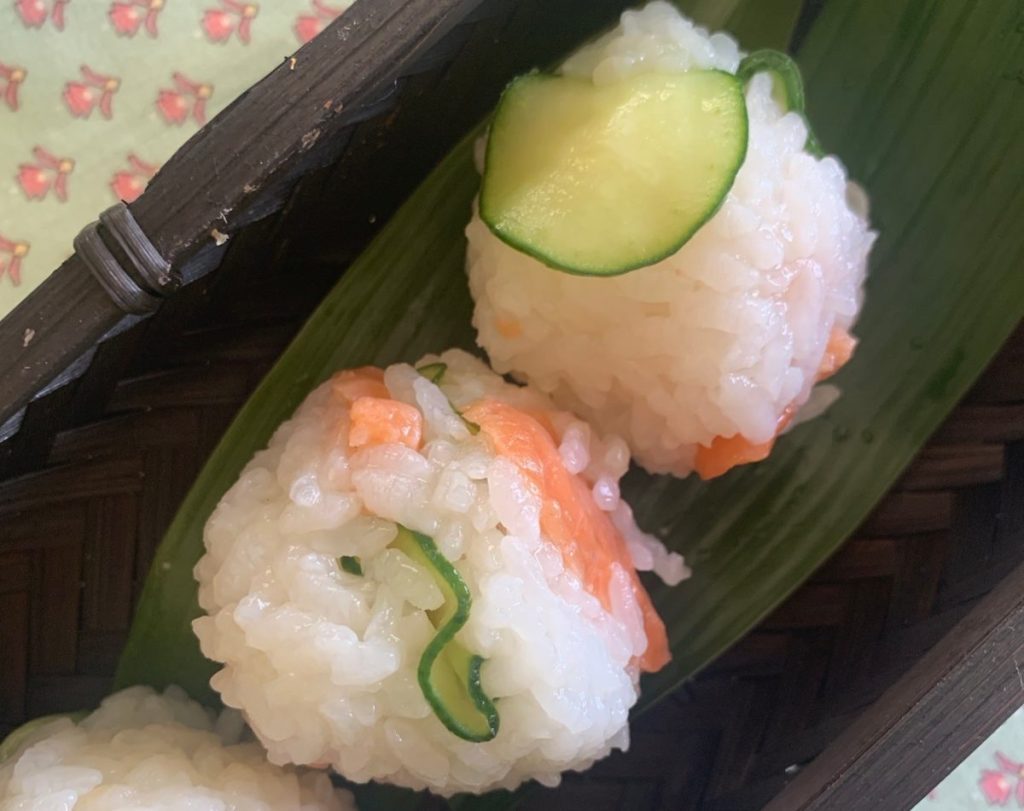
{"x": 723, "y": 340}
{"x": 160, "y": 752}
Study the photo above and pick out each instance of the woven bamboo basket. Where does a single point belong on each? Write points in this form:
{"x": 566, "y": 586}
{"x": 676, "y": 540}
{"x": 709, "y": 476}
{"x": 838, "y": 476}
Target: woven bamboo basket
{"x": 111, "y": 410}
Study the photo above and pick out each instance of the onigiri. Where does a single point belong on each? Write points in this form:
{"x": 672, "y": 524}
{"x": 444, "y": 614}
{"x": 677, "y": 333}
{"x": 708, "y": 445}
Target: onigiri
{"x": 429, "y": 578}
{"x": 701, "y": 358}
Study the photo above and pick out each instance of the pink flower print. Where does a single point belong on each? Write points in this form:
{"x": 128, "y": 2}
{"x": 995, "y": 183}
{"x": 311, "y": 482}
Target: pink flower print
{"x": 998, "y": 786}
{"x": 233, "y": 17}
{"x": 188, "y": 98}
{"x": 128, "y": 184}
{"x": 995, "y": 787}
{"x": 46, "y": 174}
{"x": 308, "y": 26}
{"x": 34, "y": 13}
{"x": 96, "y": 90}
{"x": 128, "y": 16}
{"x": 12, "y": 253}
{"x": 11, "y": 78}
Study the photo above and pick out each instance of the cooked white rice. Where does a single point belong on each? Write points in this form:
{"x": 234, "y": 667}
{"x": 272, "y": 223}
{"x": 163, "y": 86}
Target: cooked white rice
{"x": 718, "y": 339}
{"x": 323, "y": 662}
{"x": 143, "y": 750}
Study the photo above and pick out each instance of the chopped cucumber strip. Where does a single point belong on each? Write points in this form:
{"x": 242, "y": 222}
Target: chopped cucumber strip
{"x": 351, "y": 564}
{"x": 434, "y": 372}
{"x": 448, "y": 674}
{"x": 601, "y": 180}
{"x": 788, "y": 86}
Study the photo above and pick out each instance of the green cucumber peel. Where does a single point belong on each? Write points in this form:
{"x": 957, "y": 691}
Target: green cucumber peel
{"x": 448, "y": 674}
{"x": 351, "y": 564}
{"x": 434, "y": 372}
{"x": 788, "y": 86}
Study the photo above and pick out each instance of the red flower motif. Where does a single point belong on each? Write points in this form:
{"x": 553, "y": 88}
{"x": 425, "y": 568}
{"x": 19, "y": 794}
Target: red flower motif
{"x": 95, "y": 90}
{"x": 34, "y": 13}
{"x": 10, "y": 78}
{"x": 998, "y": 786}
{"x": 188, "y": 98}
{"x": 128, "y": 184}
{"x": 127, "y": 16}
{"x": 234, "y": 16}
{"x": 308, "y": 26}
{"x": 12, "y": 252}
{"x": 48, "y": 172}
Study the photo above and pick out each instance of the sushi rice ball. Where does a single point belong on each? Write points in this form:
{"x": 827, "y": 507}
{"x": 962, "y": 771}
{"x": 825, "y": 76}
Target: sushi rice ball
{"x": 702, "y": 357}
{"x": 429, "y": 579}
{"x": 146, "y": 750}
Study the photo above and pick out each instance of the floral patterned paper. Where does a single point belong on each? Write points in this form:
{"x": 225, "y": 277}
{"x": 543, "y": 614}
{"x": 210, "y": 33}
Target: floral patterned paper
{"x": 96, "y": 95}
{"x": 992, "y": 776}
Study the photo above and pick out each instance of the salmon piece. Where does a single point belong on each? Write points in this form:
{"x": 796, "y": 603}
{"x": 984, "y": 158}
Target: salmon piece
{"x": 838, "y": 351}
{"x": 374, "y": 417}
{"x": 379, "y": 420}
{"x": 366, "y": 381}
{"x": 589, "y": 543}
{"x": 726, "y": 452}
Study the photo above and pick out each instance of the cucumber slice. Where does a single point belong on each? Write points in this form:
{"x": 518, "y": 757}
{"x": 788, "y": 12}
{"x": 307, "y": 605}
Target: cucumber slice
{"x": 601, "y": 180}
{"x": 448, "y": 674}
{"x": 788, "y": 86}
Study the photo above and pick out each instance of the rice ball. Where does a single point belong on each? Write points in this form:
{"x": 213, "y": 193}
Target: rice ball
{"x": 701, "y": 359}
{"x": 429, "y": 579}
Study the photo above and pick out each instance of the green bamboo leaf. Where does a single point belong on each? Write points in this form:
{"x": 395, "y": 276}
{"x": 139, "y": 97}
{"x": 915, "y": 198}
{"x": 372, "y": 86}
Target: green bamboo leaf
{"x": 764, "y": 24}
{"x": 921, "y": 101}
{"x": 384, "y": 308}
{"x": 924, "y": 101}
